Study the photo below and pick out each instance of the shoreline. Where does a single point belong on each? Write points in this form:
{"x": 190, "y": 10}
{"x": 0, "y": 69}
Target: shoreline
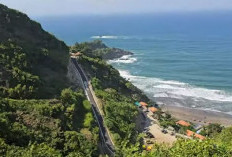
{"x": 194, "y": 115}
{"x": 198, "y": 116}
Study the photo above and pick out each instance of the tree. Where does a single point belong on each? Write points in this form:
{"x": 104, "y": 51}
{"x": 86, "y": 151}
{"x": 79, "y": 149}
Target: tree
{"x": 211, "y": 130}
{"x": 67, "y": 96}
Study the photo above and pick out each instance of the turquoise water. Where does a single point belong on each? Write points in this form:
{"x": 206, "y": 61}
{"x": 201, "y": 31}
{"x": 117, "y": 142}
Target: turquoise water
{"x": 183, "y": 60}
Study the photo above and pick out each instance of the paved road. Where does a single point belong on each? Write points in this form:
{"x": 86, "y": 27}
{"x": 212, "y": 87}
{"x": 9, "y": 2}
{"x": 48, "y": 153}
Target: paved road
{"x": 106, "y": 141}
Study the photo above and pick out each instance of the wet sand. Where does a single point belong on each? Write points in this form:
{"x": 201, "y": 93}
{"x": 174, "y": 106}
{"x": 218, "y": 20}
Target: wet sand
{"x": 198, "y": 116}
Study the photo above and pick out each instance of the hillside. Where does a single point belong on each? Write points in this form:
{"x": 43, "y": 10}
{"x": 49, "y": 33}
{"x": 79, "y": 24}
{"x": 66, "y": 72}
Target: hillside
{"x": 117, "y": 97}
{"x": 56, "y": 127}
{"x": 39, "y": 116}
{"x": 32, "y": 60}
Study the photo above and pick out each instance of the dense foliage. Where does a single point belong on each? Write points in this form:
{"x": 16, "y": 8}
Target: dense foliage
{"x": 108, "y": 77}
{"x": 211, "y": 130}
{"x": 33, "y": 63}
{"x": 98, "y": 49}
{"x": 190, "y": 148}
{"x": 218, "y": 146}
{"x": 65, "y": 126}
{"x": 117, "y": 96}
{"x": 117, "y": 99}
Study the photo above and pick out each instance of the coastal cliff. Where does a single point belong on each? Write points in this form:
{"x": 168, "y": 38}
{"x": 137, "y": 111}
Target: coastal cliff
{"x": 39, "y": 116}
{"x": 114, "y": 53}
{"x": 98, "y": 49}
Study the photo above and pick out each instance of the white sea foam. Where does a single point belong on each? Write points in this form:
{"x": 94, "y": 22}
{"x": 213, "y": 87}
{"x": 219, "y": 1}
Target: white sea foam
{"x": 105, "y": 37}
{"x": 110, "y": 37}
{"x": 174, "y": 89}
{"x": 124, "y": 59}
{"x": 195, "y": 92}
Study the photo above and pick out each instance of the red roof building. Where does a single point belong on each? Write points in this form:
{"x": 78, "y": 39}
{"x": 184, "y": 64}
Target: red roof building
{"x": 183, "y": 123}
{"x": 143, "y": 104}
{"x": 193, "y": 134}
{"x": 153, "y": 109}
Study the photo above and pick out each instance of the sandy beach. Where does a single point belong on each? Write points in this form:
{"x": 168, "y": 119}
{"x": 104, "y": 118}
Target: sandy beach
{"x": 198, "y": 116}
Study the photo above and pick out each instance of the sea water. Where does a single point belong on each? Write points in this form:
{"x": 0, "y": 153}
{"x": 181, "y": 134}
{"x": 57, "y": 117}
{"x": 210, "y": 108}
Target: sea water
{"x": 179, "y": 59}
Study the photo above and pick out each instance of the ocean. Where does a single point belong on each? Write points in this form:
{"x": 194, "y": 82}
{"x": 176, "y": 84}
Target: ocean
{"x": 179, "y": 59}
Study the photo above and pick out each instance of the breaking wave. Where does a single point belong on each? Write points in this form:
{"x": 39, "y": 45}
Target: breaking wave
{"x": 110, "y": 37}
{"x": 124, "y": 59}
{"x": 178, "y": 93}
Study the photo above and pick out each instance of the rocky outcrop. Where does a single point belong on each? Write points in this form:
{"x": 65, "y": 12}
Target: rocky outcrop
{"x": 115, "y": 53}
{"x": 97, "y": 48}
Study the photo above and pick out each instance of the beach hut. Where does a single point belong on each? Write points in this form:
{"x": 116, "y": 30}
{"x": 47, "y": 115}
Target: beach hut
{"x": 183, "y": 123}
{"x": 143, "y": 104}
{"x": 137, "y": 104}
{"x": 153, "y": 109}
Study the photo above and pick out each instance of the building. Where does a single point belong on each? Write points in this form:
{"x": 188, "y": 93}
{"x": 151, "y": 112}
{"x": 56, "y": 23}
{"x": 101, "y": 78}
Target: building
{"x": 183, "y": 123}
{"x": 76, "y": 54}
{"x": 193, "y": 134}
{"x": 143, "y": 104}
{"x": 137, "y": 104}
{"x": 152, "y": 109}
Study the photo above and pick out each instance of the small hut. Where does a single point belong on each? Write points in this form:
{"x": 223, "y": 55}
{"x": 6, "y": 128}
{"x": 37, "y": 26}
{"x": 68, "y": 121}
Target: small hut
{"x": 137, "y": 104}
{"x": 153, "y": 109}
{"x": 143, "y": 104}
{"x": 76, "y": 54}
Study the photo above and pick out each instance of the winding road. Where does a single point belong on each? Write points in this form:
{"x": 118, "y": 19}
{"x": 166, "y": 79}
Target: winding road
{"x": 106, "y": 140}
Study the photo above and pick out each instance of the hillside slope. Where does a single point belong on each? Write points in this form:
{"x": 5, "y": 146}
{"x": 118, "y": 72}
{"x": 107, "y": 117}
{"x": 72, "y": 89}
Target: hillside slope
{"x": 44, "y": 57}
{"x": 117, "y": 97}
{"x": 33, "y": 66}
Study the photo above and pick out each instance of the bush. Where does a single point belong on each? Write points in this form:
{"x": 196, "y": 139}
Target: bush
{"x": 211, "y": 130}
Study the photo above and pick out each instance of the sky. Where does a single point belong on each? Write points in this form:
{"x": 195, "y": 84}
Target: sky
{"x": 107, "y": 7}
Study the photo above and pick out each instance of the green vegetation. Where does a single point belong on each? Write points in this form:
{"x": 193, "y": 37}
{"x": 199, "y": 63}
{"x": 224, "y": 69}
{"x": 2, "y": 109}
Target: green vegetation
{"x": 105, "y": 76}
{"x": 217, "y": 146}
{"x": 117, "y": 96}
{"x": 62, "y": 126}
{"x": 40, "y": 117}
{"x": 98, "y": 49}
{"x": 33, "y": 63}
{"x": 33, "y": 66}
{"x": 211, "y": 130}
{"x": 191, "y": 148}
{"x": 120, "y": 114}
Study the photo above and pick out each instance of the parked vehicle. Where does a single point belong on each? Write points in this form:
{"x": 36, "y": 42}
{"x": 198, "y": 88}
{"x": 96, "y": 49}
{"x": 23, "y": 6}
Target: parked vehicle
{"x": 172, "y": 133}
{"x": 164, "y": 131}
{"x": 149, "y": 142}
{"x": 149, "y": 135}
